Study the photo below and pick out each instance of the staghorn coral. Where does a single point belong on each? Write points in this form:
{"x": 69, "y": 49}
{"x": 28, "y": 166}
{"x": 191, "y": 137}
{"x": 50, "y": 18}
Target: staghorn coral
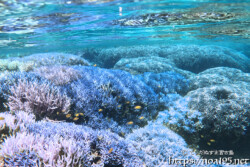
{"x": 67, "y": 145}
{"x": 42, "y": 99}
{"x": 33, "y": 94}
{"x": 11, "y": 124}
{"x": 59, "y": 75}
{"x": 112, "y": 94}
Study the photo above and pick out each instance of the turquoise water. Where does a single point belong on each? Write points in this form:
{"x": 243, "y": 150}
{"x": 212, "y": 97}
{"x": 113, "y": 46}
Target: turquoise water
{"x": 124, "y": 83}
{"x": 69, "y": 26}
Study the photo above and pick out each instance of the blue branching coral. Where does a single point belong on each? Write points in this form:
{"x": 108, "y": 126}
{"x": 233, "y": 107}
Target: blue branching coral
{"x": 114, "y": 94}
{"x": 97, "y": 97}
{"x": 59, "y": 75}
{"x": 33, "y": 94}
{"x": 66, "y": 144}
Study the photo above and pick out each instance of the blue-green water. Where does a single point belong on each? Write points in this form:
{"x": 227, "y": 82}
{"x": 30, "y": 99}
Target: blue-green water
{"x": 124, "y": 83}
{"x": 69, "y": 26}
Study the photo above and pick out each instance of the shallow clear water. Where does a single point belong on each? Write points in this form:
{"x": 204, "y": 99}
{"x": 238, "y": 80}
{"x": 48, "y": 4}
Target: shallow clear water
{"x": 69, "y": 26}
{"x": 124, "y": 82}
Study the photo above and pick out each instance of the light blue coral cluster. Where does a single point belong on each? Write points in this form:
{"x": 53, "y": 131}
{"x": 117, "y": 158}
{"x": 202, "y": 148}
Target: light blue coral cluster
{"x": 157, "y": 146}
{"x": 99, "y": 98}
{"x": 66, "y": 144}
{"x": 167, "y": 85}
{"x": 114, "y": 94}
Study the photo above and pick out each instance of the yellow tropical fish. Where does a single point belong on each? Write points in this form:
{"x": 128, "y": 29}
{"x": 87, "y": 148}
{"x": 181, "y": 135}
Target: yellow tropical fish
{"x": 130, "y": 123}
{"x": 81, "y": 114}
{"x": 94, "y": 65}
{"x": 77, "y": 115}
{"x": 142, "y": 117}
{"x": 57, "y": 113}
{"x": 100, "y": 110}
{"x": 202, "y": 136}
{"x": 75, "y": 119}
{"x": 5, "y": 105}
{"x": 68, "y": 115}
{"x": 212, "y": 140}
{"x": 137, "y": 107}
{"x": 110, "y": 150}
{"x": 208, "y": 143}
{"x": 1, "y": 118}
{"x": 128, "y": 102}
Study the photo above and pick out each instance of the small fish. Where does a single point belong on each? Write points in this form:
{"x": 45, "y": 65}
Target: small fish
{"x": 122, "y": 133}
{"x": 68, "y": 115}
{"x": 1, "y": 118}
{"x": 100, "y": 137}
{"x": 128, "y": 102}
{"x": 137, "y": 107}
{"x": 5, "y": 105}
{"x": 212, "y": 140}
{"x": 208, "y": 143}
{"x": 119, "y": 106}
{"x": 63, "y": 110}
{"x": 77, "y": 114}
{"x": 130, "y": 123}
{"x": 81, "y": 114}
{"x": 57, "y": 113}
{"x": 110, "y": 150}
{"x": 100, "y": 110}
{"x": 95, "y": 65}
{"x": 142, "y": 117}
{"x": 159, "y": 86}
{"x": 202, "y": 136}
{"x": 75, "y": 119}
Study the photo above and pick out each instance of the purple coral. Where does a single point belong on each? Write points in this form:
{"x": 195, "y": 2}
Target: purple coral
{"x": 66, "y": 145}
{"x": 43, "y": 99}
{"x": 59, "y": 75}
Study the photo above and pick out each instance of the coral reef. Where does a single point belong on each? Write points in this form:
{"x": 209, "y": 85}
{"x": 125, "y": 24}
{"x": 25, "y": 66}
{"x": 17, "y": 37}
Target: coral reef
{"x": 214, "y": 117}
{"x": 28, "y": 63}
{"x": 59, "y": 75}
{"x": 225, "y": 109}
{"x": 180, "y": 118}
{"x": 149, "y": 64}
{"x": 166, "y": 83}
{"x": 11, "y": 124}
{"x": 28, "y": 92}
{"x": 157, "y": 145}
{"x": 66, "y": 144}
{"x": 113, "y": 94}
{"x": 192, "y": 58}
{"x": 218, "y": 76}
